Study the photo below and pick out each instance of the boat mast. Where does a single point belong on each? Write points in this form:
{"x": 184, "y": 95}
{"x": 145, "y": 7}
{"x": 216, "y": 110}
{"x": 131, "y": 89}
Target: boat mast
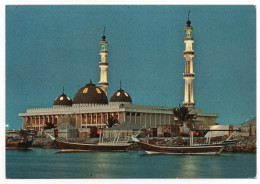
{"x": 66, "y": 132}
{"x": 191, "y": 138}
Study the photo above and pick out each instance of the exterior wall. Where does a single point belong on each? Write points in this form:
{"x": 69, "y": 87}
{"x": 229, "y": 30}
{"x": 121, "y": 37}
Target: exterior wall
{"x": 146, "y": 120}
{"x": 99, "y": 120}
{"x": 253, "y": 130}
{"x": 88, "y": 115}
{"x": 84, "y": 132}
{"x": 77, "y": 120}
{"x": 206, "y": 121}
{"x": 121, "y": 117}
{"x": 59, "y": 119}
{"x": 150, "y": 120}
{"x": 25, "y": 123}
{"x": 167, "y": 130}
{"x": 246, "y": 130}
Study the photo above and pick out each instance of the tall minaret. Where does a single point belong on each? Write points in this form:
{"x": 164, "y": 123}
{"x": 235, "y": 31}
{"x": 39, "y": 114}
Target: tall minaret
{"x": 188, "y": 76}
{"x": 103, "y": 64}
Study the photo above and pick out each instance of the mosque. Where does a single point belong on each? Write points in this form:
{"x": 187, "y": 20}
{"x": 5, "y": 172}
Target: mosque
{"x": 90, "y": 106}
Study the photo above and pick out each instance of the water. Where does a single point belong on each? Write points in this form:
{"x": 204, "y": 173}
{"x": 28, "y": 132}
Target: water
{"x": 45, "y": 163}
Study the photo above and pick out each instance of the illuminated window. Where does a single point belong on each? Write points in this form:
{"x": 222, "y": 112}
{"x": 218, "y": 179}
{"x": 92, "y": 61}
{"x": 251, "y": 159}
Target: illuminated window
{"x": 85, "y": 90}
{"x": 118, "y": 94}
{"x": 98, "y": 91}
{"x": 126, "y": 94}
{"x": 61, "y": 98}
{"x": 68, "y": 98}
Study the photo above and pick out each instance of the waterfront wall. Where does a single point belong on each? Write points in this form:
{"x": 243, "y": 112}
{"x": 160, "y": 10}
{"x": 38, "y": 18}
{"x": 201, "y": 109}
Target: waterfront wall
{"x": 244, "y": 144}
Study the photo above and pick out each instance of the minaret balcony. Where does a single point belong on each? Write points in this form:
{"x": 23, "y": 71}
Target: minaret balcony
{"x": 103, "y": 42}
{"x": 103, "y": 83}
{"x": 190, "y": 38}
{"x": 103, "y": 51}
{"x": 188, "y": 75}
{"x": 189, "y": 104}
{"x": 188, "y": 28}
{"x": 188, "y": 53}
{"x": 103, "y": 63}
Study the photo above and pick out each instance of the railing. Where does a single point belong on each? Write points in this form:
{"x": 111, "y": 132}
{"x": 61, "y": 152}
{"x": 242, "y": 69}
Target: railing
{"x": 102, "y": 63}
{"x": 189, "y": 52}
{"x": 188, "y": 75}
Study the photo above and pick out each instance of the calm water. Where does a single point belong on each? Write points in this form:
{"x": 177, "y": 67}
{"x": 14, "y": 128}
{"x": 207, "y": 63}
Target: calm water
{"x": 45, "y": 163}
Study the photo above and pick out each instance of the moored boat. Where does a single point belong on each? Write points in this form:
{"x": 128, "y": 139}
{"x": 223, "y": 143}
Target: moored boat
{"x": 17, "y": 145}
{"x": 91, "y": 147}
{"x": 109, "y": 146}
{"x": 20, "y": 141}
{"x": 192, "y": 149}
{"x": 209, "y": 149}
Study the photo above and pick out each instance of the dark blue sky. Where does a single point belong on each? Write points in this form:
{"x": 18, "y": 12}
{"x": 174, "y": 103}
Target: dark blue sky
{"x": 51, "y": 46}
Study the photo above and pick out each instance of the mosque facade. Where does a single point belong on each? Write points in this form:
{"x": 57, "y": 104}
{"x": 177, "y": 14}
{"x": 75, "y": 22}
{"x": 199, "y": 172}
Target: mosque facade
{"x": 90, "y": 106}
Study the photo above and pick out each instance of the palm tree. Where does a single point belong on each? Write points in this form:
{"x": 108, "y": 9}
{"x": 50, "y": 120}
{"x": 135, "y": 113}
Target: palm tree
{"x": 111, "y": 121}
{"x": 49, "y": 125}
{"x": 183, "y": 115}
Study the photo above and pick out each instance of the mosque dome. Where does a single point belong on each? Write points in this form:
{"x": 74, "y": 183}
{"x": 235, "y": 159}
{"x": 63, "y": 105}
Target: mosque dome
{"x": 90, "y": 93}
{"x": 121, "y": 96}
{"x": 63, "y": 100}
{"x": 188, "y": 23}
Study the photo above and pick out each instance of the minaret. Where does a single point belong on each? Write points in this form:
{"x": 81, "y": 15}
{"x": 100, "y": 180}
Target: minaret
{"x": 188, "y": 76}
{"x": 103, "y": 64}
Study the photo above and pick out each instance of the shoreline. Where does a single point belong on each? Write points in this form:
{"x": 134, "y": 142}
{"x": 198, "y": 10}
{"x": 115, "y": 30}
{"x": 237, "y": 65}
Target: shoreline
{"x": 243, "y": 145}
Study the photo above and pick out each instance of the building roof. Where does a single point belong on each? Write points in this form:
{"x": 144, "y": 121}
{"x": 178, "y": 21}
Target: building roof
{"x": 218, "y": 133}
{"x": 252, "y": 122}
{"x": 63, "y": 100}
{"x": 90, "y": 93}
{"x": 65, "y": 126}
{"x": 126, "y": 126}
{"x": 120, "y": 96}
{"x": 67, "y": 119}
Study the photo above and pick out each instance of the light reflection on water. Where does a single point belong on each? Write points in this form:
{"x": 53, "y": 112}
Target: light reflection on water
{"x": 45, "y": 163}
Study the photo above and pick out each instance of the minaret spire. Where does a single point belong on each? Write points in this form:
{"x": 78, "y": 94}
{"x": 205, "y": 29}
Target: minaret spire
{"x": 188, "y": 76}
{"x": 63, "y": 90}
{"x": 103, "y": 64}
{"x": 104, "y": 34}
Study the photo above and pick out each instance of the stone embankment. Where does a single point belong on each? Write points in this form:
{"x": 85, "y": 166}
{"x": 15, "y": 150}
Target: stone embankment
{"x": 244, "y": 144}
{"x": 43, "y": 143}
{"x": 48, "y": 143}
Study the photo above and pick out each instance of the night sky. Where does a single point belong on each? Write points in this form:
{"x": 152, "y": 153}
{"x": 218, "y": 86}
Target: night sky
{"x": 48, "y": 47}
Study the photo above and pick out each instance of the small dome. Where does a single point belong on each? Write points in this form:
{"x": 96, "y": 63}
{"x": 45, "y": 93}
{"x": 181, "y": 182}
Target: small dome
{"x": 188, "y": 23}
{"x": 120, "y": 96}
{"x": 63, "y": 100}
{"x": 90, "y": 93}
{"x": 104, "y": 38}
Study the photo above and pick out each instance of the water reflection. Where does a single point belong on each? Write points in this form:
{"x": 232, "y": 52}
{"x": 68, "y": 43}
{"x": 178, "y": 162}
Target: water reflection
{"x": 40, "y": 163}
{"x": 187, "y": 166}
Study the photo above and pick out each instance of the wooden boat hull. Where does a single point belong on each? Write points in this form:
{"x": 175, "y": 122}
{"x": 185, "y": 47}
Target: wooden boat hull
{"x": 188, "y": 150}
{"x": 91, "y": 147}
{"x": 17, "y": 145}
